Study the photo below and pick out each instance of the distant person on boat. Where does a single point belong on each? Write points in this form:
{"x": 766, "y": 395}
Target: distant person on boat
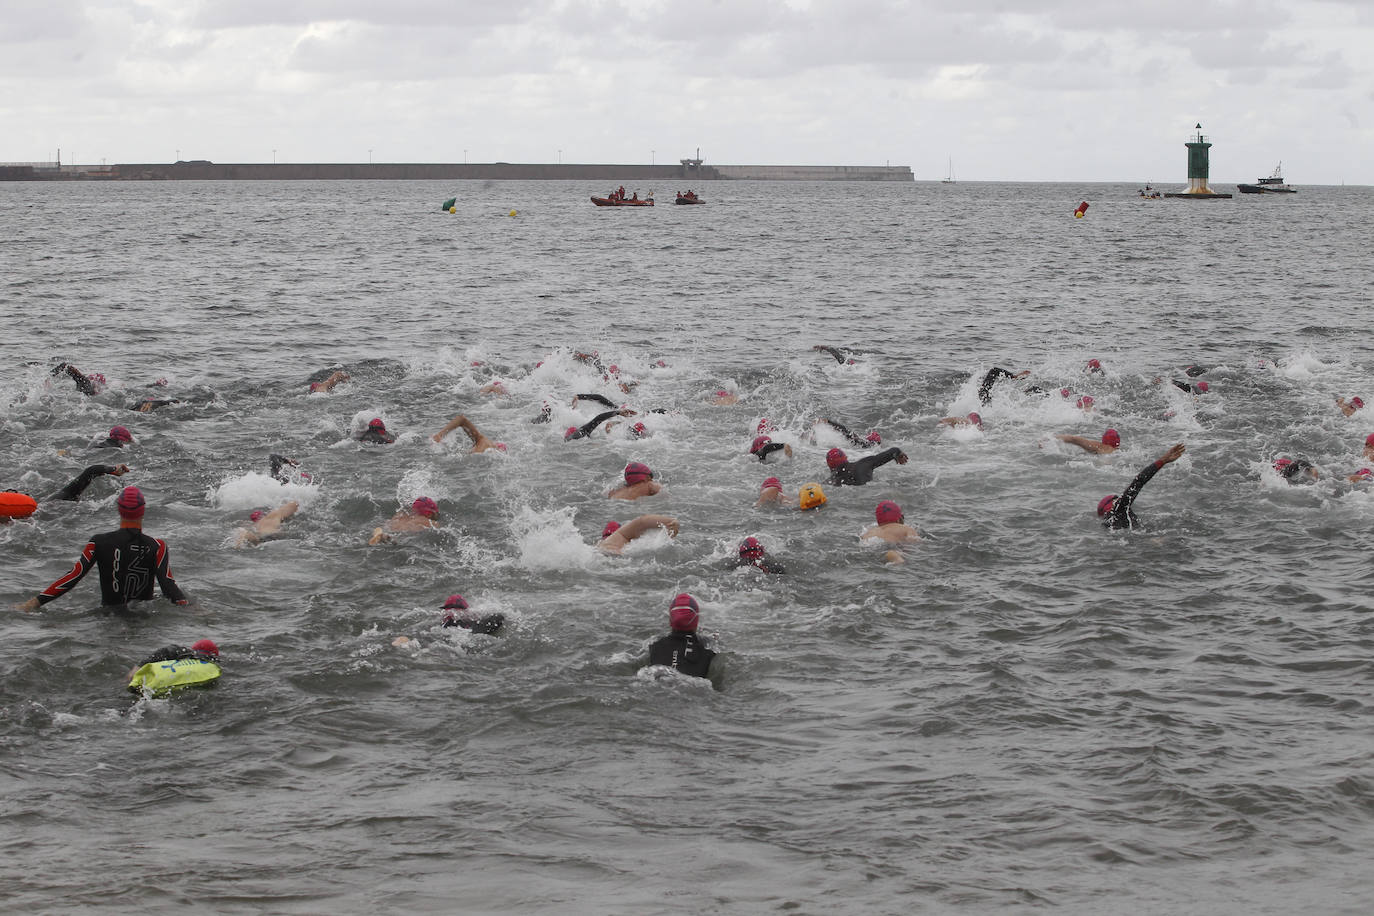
{"x": 857, "y": 473}
{"x": 1110, "y": 442}
{"x": 1115, "y": 511}
{"x": 994, "y": 375}
{"x": 639, "y": 482}
{"x": 265, "y": 525}
{"x": 682, "y": 650}
{"x": 1349, "y": 407}
{"x": 480, "y": 443}
{"x": 127, "y": 561}
{"x": 841, "y": 354}
{"x": 615, "y": 537}
{"x": 423, "y": 513}
{"x": 376, "y": 433}
{"x": 329, "y": 383}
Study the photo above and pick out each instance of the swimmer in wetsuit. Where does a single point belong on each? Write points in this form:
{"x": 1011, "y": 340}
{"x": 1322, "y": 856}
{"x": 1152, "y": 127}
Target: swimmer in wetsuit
{"x": 1294, "y": 471}
{"x": 376, "y": 433}
{"x": 279, "y": 464}
{"x": 457, "y": 616}
{"x": 839, "y": 353}
{"x": 174, "y": 667}
{"x": 751, "y": 553}
{"x": 119, "y": 436}
{"x": 73, "y": 490}
{"x": 682, "y": 650}
{"x": 1199, "y": 388}
{"x": 149, "y": 404}
{"x": 855, "y": 439}
{"x": 586, "y": 429}
{"x": 89, "y": 385}
{"x": 763, "y": 446}
{"x": 857, "y": 473}
{"x": 1115, "y": 511}
{"x": 994, "y": 374}
{"x": 598, "y": 398}
{"x": 129, "y": 562}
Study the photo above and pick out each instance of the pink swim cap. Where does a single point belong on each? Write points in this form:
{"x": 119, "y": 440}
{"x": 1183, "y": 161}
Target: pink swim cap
{"x": 255, "y": 515}
{"x": 975, "y": 420}
{"x": 1065, "y": 392}
{"x": 637, "y": 472}
{"x": 1363, "y": 474}
{"x": 121, "y": 434}
{"x": 1104, "y": 505}
{"x": 887, "y": 512}
{"x": 771, "y": 483}
{"x": 683, "y": 613}
{"x": 1357, "y": 401}
{"x": 1369, "y": 439}
{"x": 873, "y": 437}
{"x": 759, "y": 442}
{"x": 1085, "y": 402}
{"x": 1282, "y": 463}
{"x": 639, "y": 430}
{"x": 613, "y": 369}
{"x": 1094, "y": 364}
{"x": 750, "y": 549}
{"x": 131, "y": 503}
{"x": 568, "y": 433}
{"x": 425, "y": 506}
{"x": 1203, "y": 387}
{"x": 455, "y": 603}
{"x": 835, "y": 457}
{"x": 500, "y": 446}
{"x": 207, "y": 646}
{"x": 610, "y": 529}
{"x": 1111, "y": 437}
{"x": 376, "y": 423}
{"x": 722, "y": 393}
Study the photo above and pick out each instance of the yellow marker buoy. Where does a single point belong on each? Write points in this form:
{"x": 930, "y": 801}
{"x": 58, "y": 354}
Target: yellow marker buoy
{"x": 1082, "y": 208}
{"x": 512, "y": 213}
{"x": 453, "y": 209}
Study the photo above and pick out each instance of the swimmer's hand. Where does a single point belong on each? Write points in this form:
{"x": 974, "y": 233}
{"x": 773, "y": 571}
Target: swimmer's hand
{"x": 902, "y": 458}
{"x": 1172, "y": 454}
{"x": 29, "y": 606}
{"x": 120, "y": 471}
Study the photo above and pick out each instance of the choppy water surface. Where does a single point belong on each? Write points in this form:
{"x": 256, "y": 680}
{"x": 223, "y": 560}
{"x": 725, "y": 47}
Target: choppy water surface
{"x": 1029, "y": 711}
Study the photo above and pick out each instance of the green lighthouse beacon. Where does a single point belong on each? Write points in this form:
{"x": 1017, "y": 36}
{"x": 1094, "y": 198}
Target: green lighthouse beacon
{"x": 1198, "y": 170}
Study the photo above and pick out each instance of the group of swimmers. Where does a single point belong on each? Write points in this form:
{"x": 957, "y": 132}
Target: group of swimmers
{"x": 130, "y": 562}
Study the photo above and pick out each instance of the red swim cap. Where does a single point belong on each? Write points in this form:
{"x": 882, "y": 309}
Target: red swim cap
{"x": 874, "y": 437}
{"x": 771, "y": 482}
{"x": 1282, "y": 463}
{"x": 131, "y": 503}
{"x": 637, "y": 472}
{"x": 425, "y": 506}
{"x": 121, "y": 434}
{"x": 683, "y": 614}
{"x": 1065, "y": 392}
{"x": 639, "y": 430}
{"x": 1357, "y": 401}
{"x": 1363, "y": 474}
{"x": 1094, "y": 364}
{"x": 610, "y": 529}
{"x": 568, "y": 433}
{"x": 759, "y": 442}
{"x": 1369, "y": 440}
{"x": 1112, "y": 437}
{"x": 975, "y": 420}
{"x": 887, "y": 512}
{"x": 1104, "y": 505}
{"x": 455, "y": 602}
{"x": 1085, "y": 402}
{"x": 751, "y": 549}
{"x": 1202, "y": 387}
{"x": 835, "y": 457}
{"x": 207, "y": 646}
{"x": 376, "y": 423}
{"x": 255, "y": 515}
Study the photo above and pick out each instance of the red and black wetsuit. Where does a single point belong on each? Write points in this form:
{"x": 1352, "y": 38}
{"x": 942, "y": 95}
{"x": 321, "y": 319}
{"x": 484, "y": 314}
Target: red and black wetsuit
{"x": 682, "y": 651}
{"x": 1120, "y": 517}
{"x": 129, "y": 561}
{"x": 858, "y": 473}
{"x": 73, "y": 490}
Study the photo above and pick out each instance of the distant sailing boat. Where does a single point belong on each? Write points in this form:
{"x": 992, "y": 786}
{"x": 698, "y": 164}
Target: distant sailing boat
{"x": 949, "y": 179}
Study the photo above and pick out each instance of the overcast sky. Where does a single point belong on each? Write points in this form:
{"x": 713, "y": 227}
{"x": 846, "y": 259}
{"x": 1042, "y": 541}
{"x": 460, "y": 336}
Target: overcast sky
{"x": 1007, "y": 89}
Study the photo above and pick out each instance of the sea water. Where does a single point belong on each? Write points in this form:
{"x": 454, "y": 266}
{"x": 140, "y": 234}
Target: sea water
{"x": 1029, "y": 711}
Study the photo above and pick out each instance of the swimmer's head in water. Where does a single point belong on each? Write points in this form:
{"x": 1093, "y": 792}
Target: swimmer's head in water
{"x": 975, "y": 419}
{"x": 750, "y": 549}
{"x": 1363, "y": 474}
{"x": 1085, "y": 402}
{"x": 569, "y": 433}
{"x": 639, "y": 431}
{"x": 500, "y": 446}
{"x": 131, "y": 503}
{"x": 425, "y": 506}
{"x": 887, "y": 513}
{"x": 376, "y": 424}
{"x": 1357, "y": 401}
{"x": 811, "y": 496}
{"x": 835, "y": 458}
{"x": 207, "y": 646}
{"x": 1202, "y": 387}
{"x": 97, "y": 380}
{"x": 1065, "y": 392}
{"x": 1111, "y": 437}
{"x": 1369, "y": 440}
{"x": 1282, "y": 465}
{"x": 613, "y": 369}
{"x": 759, "y": 442}
{"x": 1094, "y": 366}
{"x": 1104, "y": 505}
{"x": 455, "y": 603}
{"x": 637, "y": 472}
{"x": 873, "y": 437}
{"x": 683, "y": 613}
{"x": 121, "y": 434}
{"x": 771, "y": 483}
{"x": 766, "y": 426}
{"x": 256, "y": 515}
{"x": 610, "y": 529}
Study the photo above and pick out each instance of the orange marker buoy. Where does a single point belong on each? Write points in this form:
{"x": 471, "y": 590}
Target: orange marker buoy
{"x": 17, "y": 505}
{"x": 1082, "y": 208}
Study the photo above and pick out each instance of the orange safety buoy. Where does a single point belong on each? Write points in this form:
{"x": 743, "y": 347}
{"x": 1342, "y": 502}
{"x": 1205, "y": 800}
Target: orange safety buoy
{"x": 1082, "y": 208}
{"x": 17, "y": 505}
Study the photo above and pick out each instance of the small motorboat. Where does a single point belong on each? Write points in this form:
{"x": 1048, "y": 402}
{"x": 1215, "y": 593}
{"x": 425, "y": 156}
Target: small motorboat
{"x": 1274, "y": 184}
{"x": 1150, "y": 193}
{"x": 689, "y": 198}
{"x": 617, "y": 198}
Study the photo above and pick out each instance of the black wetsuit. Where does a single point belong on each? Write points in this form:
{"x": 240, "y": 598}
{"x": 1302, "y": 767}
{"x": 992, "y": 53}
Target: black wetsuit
{"x": 376, "y": 437}
{"x": 836, "y": 352}
{"x": 848, "y": 434}
{"x": 279, "y": 465}
{"x": 178, "y": 653}
{"x": 985, "y": 389}
{"x": 857, "y": 473}
{"x": 1195, "y": 371}
{"x": 682, "y": 651}
{"x": 600, "y": 399}
{"x": 764, "y": 564}
{"x": 545, "y": 415}
{"x": 769, "y": 448}
{"x": 110, "y": 442}
{"x": 1184, "y": 386}
{"x": 129, "y": 561}
{"x": 73, "y": 490}
{"x": 586, "y": 429}
{"x": 1120, "y": 517}
{"x": 1294, "y": 468}
{"x": 83, "y": 384}
{"x": 490, "y": 624}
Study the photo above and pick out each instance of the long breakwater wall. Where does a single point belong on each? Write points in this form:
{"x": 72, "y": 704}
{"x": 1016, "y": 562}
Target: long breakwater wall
{"x": 200, "y": 170}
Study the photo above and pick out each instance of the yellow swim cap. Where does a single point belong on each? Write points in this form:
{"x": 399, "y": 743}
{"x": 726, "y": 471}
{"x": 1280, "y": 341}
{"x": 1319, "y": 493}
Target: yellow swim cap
{"x": 811, "y": 496}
